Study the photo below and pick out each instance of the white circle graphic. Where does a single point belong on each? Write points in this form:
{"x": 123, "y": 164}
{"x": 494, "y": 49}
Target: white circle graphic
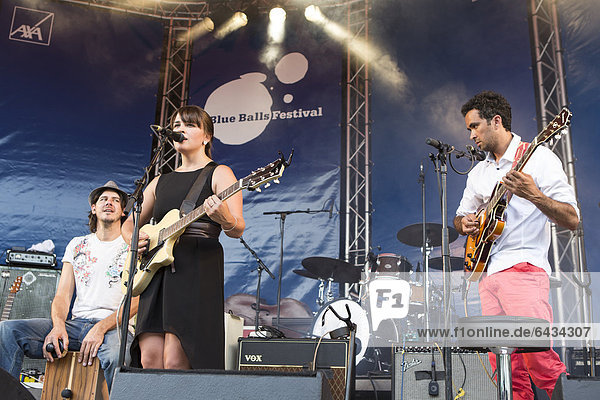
{"x": 291, "y": 68}
{"x": 240, "y": 109}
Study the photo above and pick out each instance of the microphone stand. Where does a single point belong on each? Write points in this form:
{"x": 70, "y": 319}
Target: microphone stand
{"x": 441, "y": 168}
{"x": 440, "y": 162}
{"x": 261, "y": 266}
{"x": 282, "y": 216}
{"x": 136, "y": 199}
{"x": 425, "y": 251}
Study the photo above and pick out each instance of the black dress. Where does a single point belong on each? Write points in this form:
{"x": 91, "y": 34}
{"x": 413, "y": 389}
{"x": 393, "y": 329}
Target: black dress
{"x": 189, "y": 301}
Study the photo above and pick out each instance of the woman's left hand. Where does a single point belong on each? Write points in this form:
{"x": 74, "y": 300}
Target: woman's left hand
{"x": 217, "y": 210}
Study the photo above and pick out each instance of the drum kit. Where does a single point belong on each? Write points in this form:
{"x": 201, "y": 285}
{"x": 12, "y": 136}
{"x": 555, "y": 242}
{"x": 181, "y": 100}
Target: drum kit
{"x": 393, "y": 298}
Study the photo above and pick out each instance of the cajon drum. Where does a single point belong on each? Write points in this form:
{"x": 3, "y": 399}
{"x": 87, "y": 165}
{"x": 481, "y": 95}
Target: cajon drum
{"x": 86, "y": 383}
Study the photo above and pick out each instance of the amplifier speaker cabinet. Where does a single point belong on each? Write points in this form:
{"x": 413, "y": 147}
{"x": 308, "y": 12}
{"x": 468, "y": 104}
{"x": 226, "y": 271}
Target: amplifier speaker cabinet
{"x": 33, "y": 300}
{"x": 297, "y": 355}
{"x": 411, "y": 374}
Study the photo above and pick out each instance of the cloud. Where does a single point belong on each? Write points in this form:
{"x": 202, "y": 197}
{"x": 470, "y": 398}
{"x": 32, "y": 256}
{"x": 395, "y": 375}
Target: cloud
{"x": 443, "y": 109}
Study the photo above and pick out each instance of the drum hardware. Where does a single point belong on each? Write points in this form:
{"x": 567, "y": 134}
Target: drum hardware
{"x": 391, "y": 263}
{"x": 456, "y": 263}
{"x": 412, "y": 234}
{"x": 324, "y": 295}
{"x": 331, "y": 268}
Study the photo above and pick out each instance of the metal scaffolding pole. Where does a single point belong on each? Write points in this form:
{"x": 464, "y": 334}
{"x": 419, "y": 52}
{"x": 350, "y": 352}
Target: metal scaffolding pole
{"x": 357, "y": 205}
{"x": 572, "y": 298}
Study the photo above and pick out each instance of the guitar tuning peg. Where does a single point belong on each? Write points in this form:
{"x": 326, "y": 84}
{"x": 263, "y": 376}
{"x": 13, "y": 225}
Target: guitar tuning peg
{"x": 267, "y": 184}
{"x": 258, "y": 189}
{"x": 276, "y": 181}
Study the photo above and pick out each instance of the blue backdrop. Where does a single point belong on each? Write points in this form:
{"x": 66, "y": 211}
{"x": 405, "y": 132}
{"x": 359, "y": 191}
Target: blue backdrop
{"x": 76, "y": 107}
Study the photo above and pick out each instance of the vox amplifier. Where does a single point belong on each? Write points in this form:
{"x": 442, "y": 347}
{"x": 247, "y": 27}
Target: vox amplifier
{"x": 296, "y": 355}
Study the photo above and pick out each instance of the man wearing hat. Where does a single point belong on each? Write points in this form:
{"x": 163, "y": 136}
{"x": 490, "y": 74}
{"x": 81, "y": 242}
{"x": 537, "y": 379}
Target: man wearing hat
{"x": 92, "y": 267}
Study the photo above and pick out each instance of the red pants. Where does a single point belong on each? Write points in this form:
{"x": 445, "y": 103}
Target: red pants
{"x": 523, "y": 290}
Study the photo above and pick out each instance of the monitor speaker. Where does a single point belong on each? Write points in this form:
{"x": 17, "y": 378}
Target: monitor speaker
{"x": 210, "y": 384}
{"x": 576, "y": 387}
{"x": 12, "y": 388}
{"x": 412, "y": 374}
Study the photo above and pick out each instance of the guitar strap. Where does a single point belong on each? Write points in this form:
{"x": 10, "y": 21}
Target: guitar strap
{"x": 189, "y": 203}
{"x": 520, "y": 151}
{"x": 518, "y": 154}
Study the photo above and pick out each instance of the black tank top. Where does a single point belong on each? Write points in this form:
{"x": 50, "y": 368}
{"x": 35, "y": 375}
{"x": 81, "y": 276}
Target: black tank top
{"x": 174, "y": 186}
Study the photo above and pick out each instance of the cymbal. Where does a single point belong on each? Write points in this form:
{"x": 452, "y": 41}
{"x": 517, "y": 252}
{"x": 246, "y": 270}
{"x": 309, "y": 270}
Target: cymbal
{"x": 338, "y": 270}
{"x": 305, "y": 273}
{"x": 412, "y": 235}
{"x": 456, "y": 263}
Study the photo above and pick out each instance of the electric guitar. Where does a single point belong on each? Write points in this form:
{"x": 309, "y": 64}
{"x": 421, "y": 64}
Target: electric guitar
{"x": 491, "y": 216}
{"x": 14, "y": 288}
{"x": 164, "y": 235}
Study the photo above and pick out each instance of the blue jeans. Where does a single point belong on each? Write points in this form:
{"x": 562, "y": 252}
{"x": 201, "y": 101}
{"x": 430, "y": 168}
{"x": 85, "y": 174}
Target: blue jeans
{"x": 20, "y": 337}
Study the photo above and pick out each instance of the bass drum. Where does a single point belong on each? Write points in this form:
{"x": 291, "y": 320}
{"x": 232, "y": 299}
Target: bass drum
{"x": 325, "y": 321}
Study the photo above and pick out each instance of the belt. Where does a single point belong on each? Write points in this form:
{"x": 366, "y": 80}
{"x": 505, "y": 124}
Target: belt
{"x": 203, "y": 230}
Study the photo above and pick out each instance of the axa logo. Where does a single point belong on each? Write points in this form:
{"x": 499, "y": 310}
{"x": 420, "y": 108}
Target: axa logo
{"x": 253, "y": 357}
{"x": 31, "y": 26}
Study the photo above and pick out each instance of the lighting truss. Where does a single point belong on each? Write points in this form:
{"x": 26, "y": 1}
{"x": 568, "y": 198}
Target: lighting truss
{"x": 567, "y": 251}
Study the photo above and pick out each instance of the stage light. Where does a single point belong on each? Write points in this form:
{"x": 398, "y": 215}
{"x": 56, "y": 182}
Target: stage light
{"x": 237, "y": 20}
{"x": 276, "y": 28}
{"x": 277, "y": 15}
{"x": 199, "y": 30}
{"x": 313, "y": 14}
{"x": 240, "y": 18}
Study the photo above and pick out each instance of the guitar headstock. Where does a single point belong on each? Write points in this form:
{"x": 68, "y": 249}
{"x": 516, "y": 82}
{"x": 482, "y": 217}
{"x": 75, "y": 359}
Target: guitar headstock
{"x": 554, "y": 129}
{"x": 264, "y": 175}
{"x": 16, "y": 286}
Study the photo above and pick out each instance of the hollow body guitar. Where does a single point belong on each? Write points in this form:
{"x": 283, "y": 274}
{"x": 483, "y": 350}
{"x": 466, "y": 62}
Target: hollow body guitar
{"x": 491, "y": 216}
{"x": 164, "y": 235}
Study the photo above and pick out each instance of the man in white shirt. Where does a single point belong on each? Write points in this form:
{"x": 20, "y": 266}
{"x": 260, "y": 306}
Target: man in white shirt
{"x": 517, "y": 270}
{"x": 92, "y": 267}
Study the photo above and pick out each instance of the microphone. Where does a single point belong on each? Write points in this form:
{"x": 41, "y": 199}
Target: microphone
{"x": 437, "y": 144}
{"x": 174, "y": 135}
{"x": 477, "y": 154}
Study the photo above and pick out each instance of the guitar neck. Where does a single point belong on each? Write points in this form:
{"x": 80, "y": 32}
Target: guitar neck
{"x": 8, "y": 306}
{"x": 198, "y": 212}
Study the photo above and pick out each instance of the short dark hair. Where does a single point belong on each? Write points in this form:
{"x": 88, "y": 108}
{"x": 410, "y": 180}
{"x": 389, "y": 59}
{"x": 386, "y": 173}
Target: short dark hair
{"x": 489, "y": 104}
{"x": 93, "y": 219}
{"x": 197, "y": 115}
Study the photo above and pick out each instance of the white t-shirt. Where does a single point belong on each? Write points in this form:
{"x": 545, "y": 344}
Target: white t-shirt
{"x": 526, "y": 234}
{"x": 97, "y": 266}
